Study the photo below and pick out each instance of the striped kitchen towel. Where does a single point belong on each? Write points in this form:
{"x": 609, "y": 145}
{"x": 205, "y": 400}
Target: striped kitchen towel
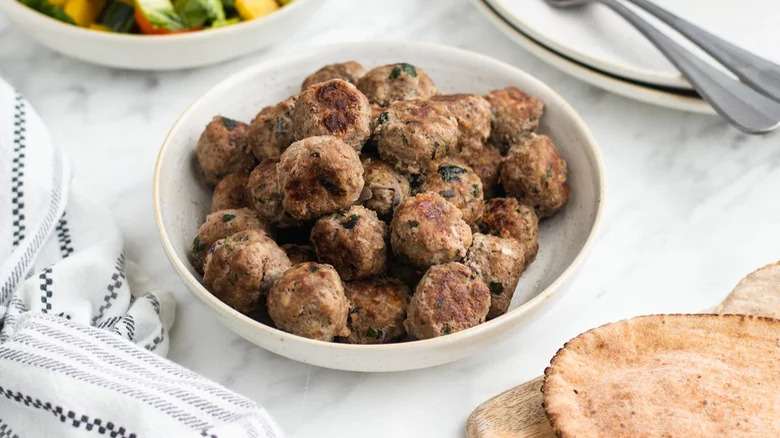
{"x": 83, "y": 334}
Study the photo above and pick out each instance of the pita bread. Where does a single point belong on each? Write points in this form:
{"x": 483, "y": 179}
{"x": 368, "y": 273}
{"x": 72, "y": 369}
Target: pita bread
{"x": 757, "y": 294}
{"x": 668, "y": 376}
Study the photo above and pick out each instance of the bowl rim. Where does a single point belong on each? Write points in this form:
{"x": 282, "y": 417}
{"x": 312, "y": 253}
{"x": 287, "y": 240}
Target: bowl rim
{"x": 202, "y": 294}
{"x": 132, "y": 38}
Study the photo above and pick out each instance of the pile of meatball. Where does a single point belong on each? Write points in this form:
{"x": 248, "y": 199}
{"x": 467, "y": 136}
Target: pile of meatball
{"x": 371, "y": 209}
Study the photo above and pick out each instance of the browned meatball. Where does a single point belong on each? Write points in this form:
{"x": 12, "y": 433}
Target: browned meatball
{"x": 319, "y": 175}
{"x": 265, "y": 195}
{"x": 388, "y": 187}
{"x": 449, "y": 298}
{"x": 516, "y": 116}
{"x": 415, "y": 135}
{"x": 377, "y": 310}
{"x": 486, "y": 163}
{"x": 535, "y": 174}
{"x": 354, "y": 241}
{"x": 220, "y": 224}
{"x": 349, "y": 71}
{"x": 389, "y": 83}
{"x": 230, "y": 192}
{"x": 334, "y": 108}
{"x": 299, "y": 253}
{"x": 427, "y": 230}
{"x": 499, "y": 262}
{"x": 308, "y": 300}
{"x": 474, "y": 118}
{"x": 242, "y": 267}
{"x": 222, "y": 149}
{"x": 505, "y": 217}
{"x": 271, "y": 131}
{"x": 459, "y": 185}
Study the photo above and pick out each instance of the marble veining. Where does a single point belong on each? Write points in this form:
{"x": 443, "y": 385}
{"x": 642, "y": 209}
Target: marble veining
{"x": 691, "y": 208}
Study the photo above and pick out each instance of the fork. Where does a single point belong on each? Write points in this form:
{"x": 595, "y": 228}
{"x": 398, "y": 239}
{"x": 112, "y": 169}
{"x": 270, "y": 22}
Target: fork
{"x": 751, "y": 111}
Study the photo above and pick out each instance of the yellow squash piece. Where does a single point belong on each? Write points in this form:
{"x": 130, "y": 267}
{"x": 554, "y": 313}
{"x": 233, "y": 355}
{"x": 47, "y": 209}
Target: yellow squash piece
{"x": 251, "y": 9}
{"x": 84, "y": 12}
{"x": 99, "y": 27}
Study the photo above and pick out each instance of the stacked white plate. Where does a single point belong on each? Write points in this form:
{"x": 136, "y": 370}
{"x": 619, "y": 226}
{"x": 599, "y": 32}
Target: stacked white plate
{"x": 597, "y": 46}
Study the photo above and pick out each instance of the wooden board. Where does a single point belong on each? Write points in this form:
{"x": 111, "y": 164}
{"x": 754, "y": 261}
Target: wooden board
{"x": 518, "y": 412}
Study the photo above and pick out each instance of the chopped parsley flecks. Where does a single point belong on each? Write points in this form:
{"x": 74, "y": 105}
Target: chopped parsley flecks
{"x": 409, "y": 69}
{"x": 374, "y": 334}
{"x": 229, "y": 124}
{"x": 413, "y": 224}
{"x": 447, "y": 193}
{"x": 382, "y": 118}
{"x": 227, "y": 217}
{"x": 313, "y": 268}
{"x": 451, "y": 172}
{"x": 496, "y": 288}
{"x": 475, "y": 190}
{"x": 354, "y": 310}
{"x": 351, "y": 222}
{"x": 446, "y": 330}
{"x": 197, "y": 246}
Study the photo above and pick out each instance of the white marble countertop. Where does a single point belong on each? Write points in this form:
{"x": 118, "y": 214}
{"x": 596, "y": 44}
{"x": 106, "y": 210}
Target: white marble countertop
{"x": 692, "y": 206}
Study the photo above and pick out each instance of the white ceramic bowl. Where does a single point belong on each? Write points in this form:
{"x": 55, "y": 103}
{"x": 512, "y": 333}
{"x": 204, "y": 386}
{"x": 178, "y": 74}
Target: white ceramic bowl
{"x": 182, "y": 201}
{"x": 160, "y": 52}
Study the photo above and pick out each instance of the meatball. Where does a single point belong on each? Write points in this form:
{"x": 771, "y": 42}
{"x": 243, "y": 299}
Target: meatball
{"x": 516, "y": 116}
{"x": 486, "y": 163}
{"x": 415, "y": 135}
{"x": 353, "y": 241}
{"x": 230, "y": 192}
{"x": 265, "y": 196}
{"x": 448, "y": 299}
{"x": 535, "y": 174}
{"x": 377, "y": 310}
{"x": 427, "y": 230}
{"x": 404, "y": 271}
{"x": 389, "y": 83}
{"x": 505, "y": 217}
{"x": 222, "y": 149}
{"x": 474, "y": 118}
{"x": 499, "y": 262}
{"x": 459, "y": 185}
{"x": 334, "y": 108}
{"x": 308, "y": 300}
{"x": 220, "y": 224}
{"x": 299, "y": 253}
{"x": 319, "y": 175}
{"x": 271, "y": 131}
{"x": 388, "y": 187}
{"x": 242, "y": 267}
{"x": 349, "y": 71}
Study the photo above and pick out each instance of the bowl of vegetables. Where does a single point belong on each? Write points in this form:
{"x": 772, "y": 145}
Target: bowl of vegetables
{"x": 157, "y": 34}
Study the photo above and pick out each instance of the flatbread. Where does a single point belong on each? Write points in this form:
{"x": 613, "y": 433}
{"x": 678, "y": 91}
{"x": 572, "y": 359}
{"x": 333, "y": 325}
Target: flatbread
{"x": 757, "y": 294}
{"x": 668, "y": 376}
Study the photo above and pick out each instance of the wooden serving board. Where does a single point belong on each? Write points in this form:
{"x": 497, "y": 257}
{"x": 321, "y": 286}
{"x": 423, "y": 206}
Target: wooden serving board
{"x": 518, "y": 412}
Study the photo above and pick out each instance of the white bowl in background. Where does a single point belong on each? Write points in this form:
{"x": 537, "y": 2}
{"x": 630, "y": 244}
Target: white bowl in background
{"x": 160, "y": 52}
{"x": 181, "y": 200}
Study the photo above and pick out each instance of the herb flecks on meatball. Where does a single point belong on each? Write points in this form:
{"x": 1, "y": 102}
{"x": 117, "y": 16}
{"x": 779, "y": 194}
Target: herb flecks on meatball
{"x": 390, "y": 83}
{"x": 349, "y": 71}
{"x": 230, "y": 192}
{"x": 427, "y": 230}
{"x": 415, "y": 135}
{"x": 308, "y": 300}
{"x": 535, "y": 173}
{"x": 499, "y": 262}
{"x": 449, "y": 298}
{"x": 505, "y": 217}
{"x": 222, "y": 149}
{"x": 271, "y": 131}
{"x": 265, "y": 195}
{"x": 486, "y": 163}
{"x": 318, "y": 176}
{"x": 334, "y": 108}
{"x": 459, "y": 185}
{"x": 240, "y": 268}
{"x": 377, "y": 310}
{"x": 354, "y": 241}
{"x": 220, "y": 224}
{"x": 516, "y": 116}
